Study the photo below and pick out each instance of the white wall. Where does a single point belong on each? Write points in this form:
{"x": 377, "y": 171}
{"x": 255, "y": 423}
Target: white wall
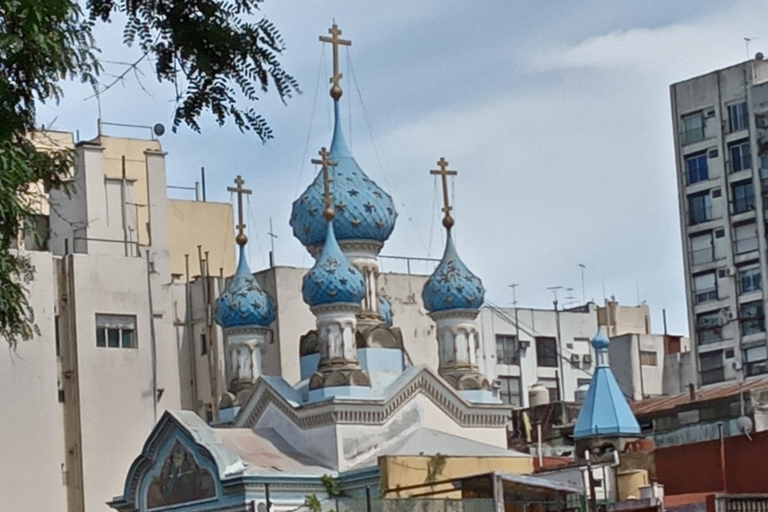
{"x": 32, "y": 451}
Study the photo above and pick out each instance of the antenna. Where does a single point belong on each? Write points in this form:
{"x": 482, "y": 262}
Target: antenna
{"x": 272, "y": 237}
{"x": 748, "y": 40}
{"x": 514, "y": 294}
{"x": 583, "y": 288}
{"x": 554, "y": 289}
{"x": 570, "y": 299}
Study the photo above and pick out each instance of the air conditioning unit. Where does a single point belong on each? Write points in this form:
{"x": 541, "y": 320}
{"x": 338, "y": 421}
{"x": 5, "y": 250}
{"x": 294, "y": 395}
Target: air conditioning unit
{"x": 575, "y": 358}
{"x": 587, "y": 359}
{"x": 709, "y": 113}
{"x": 762, "y": 121}
{"x": 730, "y": 271}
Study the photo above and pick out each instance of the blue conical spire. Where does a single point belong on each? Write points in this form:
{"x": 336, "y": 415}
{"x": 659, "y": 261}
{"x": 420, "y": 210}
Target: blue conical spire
{"x": 452, "y": 285}
{"x": 244, "y": 303}
{"x": 333, "y": 279}
{"x": 605, "y": 411}
{"x": 364, "y": 211}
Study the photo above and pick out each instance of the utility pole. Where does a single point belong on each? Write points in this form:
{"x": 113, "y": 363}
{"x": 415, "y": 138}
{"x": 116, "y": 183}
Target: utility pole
{"x": 272, "y": 237}
{"x": 517, "y": 340}
{"x": 583, "y": 288}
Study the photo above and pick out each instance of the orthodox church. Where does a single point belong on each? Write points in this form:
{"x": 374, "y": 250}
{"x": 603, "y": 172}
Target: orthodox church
{"x": 358, "y": 402}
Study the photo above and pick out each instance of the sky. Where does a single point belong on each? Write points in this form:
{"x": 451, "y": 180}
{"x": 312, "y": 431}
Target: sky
{"x": 556, "y": 116}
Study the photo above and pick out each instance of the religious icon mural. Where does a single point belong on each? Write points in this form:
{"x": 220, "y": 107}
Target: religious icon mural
{"x": 181, "y": 480}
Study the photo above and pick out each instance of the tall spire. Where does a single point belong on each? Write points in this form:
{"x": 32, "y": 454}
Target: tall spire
{"x": 335, "y": 41}
{"x": 241, "y": 239}
{"x": 443, "y": 172}
{"x": 453, "y": 295}
{"x": 245, "y": 311}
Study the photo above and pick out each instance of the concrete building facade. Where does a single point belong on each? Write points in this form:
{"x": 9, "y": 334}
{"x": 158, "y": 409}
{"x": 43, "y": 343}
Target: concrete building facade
{"x": 720, "y": 127}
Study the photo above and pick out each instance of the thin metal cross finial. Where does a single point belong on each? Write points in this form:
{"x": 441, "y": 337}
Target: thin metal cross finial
{"x": 335, "y": 41}
{"x": 241, "y": 239}
{"x": 328, "y": 213}
{"x": 443, "y": 172}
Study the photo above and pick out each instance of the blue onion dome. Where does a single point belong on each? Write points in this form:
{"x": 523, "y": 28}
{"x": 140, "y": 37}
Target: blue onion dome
{"x": 244, "y": 303}
{"x": 452, "y": 285}
{"x": 333, "y": 279}
{"x": 600, "y": 341}
{"x": 363, "y": 210}
{"x": 385, "y": 308}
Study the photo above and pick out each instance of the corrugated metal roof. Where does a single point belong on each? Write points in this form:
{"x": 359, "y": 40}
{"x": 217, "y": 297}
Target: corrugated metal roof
{"x": 714, "y": 392}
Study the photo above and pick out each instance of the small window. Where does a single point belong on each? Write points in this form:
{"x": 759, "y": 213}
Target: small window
{"x": 751, "y": 318}
{"x": 743, "y": 196}
{"x": 705, "y": 287}
{"x": 648, "y": 358}
{"x": 745, "y": 238}
{"x": 737, "y": 117}
{"x": 708, "y": 328}
{"x": 699, "y": 207}
{"x": 716, "y": 192}
{"x": 749, "y": 280}
{"x": 729, "y": 353}
{"x": 741, "y": 159}
{"x": 546, "y": 352}
{"x": 720, "y": 233}
{"x": 506, "y": 349}
{"x": 115, "y": 331}
{"x": 697, "y": 168}
{"x": 203, "y": 344}
{"x": 755, "y": 360}
{"x": 702, "y": 249}
{"x": 509, "y": 392}
{"x": 711, "y": 367}
{"x": 57, "y": 335}
{"x": 693, "y": 128}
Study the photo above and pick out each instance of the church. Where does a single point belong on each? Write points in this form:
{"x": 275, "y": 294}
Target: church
{"x": 359, "y": 406}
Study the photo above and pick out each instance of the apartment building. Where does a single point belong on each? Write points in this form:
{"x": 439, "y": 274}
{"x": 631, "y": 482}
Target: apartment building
{"x": 720, "y": 124}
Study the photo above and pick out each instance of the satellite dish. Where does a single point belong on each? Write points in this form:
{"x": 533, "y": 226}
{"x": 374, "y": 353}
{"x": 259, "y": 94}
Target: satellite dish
{"x": 745, "y": 425}
{"x": 261, "y": 507}
{"x": 759, "y": 56}
{"x": 158, "y": 129}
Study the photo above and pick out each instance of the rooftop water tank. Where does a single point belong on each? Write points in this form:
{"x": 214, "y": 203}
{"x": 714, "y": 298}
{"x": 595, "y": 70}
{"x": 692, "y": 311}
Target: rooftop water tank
{"x": 538, "y": 395}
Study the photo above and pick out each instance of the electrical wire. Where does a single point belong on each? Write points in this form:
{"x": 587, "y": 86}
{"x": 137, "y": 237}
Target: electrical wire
{"x": 311, "y": 121}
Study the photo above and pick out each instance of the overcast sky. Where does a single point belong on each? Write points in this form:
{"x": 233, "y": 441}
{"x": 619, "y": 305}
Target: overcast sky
{"x": 555, "y": 114}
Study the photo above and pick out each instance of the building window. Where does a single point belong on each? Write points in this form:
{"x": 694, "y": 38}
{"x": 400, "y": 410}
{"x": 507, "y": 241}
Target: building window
{"x": 693, "y": 128}
{"x": 749, "y": 280}
{"x": 702, "y": 249}
{"x": 700, "y": 207}
{"x": 203, "y": 344}
{"x": 741, "y": 159}
{"x": 115, "y": 331}
{"x": 711, "y": 367}
{"x": 705, "y": 287}
{"x": 509, "y": 392}
{"x": 751, "y": 318}
{"x": 697, "y": 168}
{"x": 745, "y": 238}
{"x": 648, "y": 358}
{"x": 737, "y": 117}
{"x": 546, "y": 352}
{"x": 506, "y": 349}
{"x": 708, "y": 329}
{"x": 755, "y": 360}
{"x": 743, "y": 196}
{"x": 57, "y": 335}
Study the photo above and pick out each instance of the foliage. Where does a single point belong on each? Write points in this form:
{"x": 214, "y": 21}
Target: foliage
{"x": 331, "y": 485}
{"x": 213, "y": 56}
{"x": 210, "y": 45}
{"x": 312, "y": 502}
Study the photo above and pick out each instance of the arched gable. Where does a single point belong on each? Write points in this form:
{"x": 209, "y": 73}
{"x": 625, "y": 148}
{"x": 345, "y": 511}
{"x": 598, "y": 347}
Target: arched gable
{"x": 180, "y": 466}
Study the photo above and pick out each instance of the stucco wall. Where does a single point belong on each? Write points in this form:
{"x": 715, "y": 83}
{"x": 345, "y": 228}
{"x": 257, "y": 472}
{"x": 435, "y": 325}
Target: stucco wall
{"x": 211, "y": 225}
{"x": 31, "y": 425}
{"x": 403, "y": 471}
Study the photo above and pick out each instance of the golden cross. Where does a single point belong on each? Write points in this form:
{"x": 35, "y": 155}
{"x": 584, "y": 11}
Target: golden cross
{"x": 335, "y": 40}
{"x": 444, "y": 173}
{"x": 328, "y": 213}
{"x": 241, "y": 239}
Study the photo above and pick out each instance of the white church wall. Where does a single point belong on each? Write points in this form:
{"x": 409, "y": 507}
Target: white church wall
{"x": 320, "y": 443}
{"x": 32, "y": 452}
{"x": 359, "y": 443}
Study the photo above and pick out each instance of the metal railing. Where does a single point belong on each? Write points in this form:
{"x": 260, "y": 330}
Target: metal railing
{"x": 428, "y": 264}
